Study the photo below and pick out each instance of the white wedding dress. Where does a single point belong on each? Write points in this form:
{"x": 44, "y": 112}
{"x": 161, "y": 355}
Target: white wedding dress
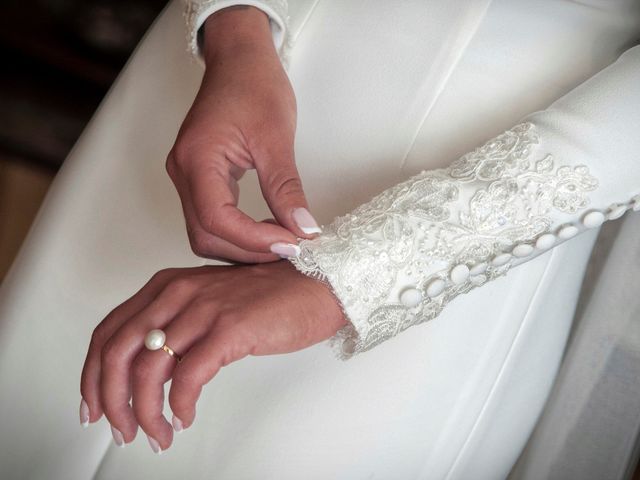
{"x": 491, "y": 246}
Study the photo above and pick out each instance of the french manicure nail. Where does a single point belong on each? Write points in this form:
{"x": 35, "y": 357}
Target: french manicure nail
{"x": 305, "y": 221}
{"x": 155, "y": 446}
{"x": 178, "y": 426}
{"x": 118, "y": 438}
{"x": 84, "y": 414}
{"x": 285, "y": 249}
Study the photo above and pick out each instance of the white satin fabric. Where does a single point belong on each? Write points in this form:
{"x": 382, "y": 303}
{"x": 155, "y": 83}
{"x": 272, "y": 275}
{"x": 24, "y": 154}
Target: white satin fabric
{"x": 383, "y": 92}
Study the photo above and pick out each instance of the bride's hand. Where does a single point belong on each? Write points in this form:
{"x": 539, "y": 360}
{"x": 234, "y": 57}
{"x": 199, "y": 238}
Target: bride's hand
{"x": 243, "y": 117}
{"x": 212, "y": 316}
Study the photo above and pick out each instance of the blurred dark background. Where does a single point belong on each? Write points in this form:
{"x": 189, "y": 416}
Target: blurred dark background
{"x": 59, "y": 58}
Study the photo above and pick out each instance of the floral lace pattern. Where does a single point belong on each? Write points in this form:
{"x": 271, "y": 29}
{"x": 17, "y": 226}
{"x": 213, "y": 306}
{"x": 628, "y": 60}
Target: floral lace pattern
{"x": 414, "y": 233}
{"x": 194, "y": 9}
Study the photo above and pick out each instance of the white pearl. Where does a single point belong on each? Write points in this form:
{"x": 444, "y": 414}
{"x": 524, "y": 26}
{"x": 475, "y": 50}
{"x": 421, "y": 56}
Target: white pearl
{"x": 593, "y": 219}
{"x": 410, "y": 297}
{"x": 616, "y": 211}
{"x": 155, "y": 339}
{"x": 522, "y": 250}
{"x": 500, "y": 259}
{"x": 567, "y": 231}
{"x": 436, "y": 287}
{"x": 459, "y": 274}
{"x": 478, "y": 268}
{"x": 545, "y": 241}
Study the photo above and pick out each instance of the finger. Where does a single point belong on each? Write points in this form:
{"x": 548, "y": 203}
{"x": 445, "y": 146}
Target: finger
{"x": 210, "y": 246}
{"x": 217, "y": 211}
{"x": 282, "y": 189}
{"x": 205, "y": 244}
{"x": 152, "y": 369}
{"x": 220, "y": 347}
{"x": 125, "y": 344}
{"x": 90, "y": 378}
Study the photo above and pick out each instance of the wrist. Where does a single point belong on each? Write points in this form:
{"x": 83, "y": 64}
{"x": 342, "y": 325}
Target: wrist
{"x": 334, "y": 311}
{"x": 235, "y": 29}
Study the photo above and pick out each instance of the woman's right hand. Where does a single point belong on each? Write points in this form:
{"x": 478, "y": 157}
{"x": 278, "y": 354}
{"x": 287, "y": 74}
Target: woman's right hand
{"x": 243, "y": 117}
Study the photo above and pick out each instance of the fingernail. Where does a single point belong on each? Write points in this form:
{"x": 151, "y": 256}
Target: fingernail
{"x": 305, "y": 221}
{"x": 84, "y": 414}
{"x": 155, "y": 446}
{"x": 285, "y": 249}
{"x": 117, "y": 437}
{"x": 178, "y": 426}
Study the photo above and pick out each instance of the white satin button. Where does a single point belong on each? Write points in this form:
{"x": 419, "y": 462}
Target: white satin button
{"x": 593, "y": 219}
{"x": 567, "y": 232}
{"x": 459, "y": 274}
{"x": 616, "y": 211}
{"x": 545, "y": 241}
{"x": 436, "y": 287}
{"x": 410, "y": 297}
{"x": 522, "y": 250}
{"x": 478, "y": 268}
{"x": 501, "y": 259}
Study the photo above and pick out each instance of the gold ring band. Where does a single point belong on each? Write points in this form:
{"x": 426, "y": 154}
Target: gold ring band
{"x": 167, "y": 349}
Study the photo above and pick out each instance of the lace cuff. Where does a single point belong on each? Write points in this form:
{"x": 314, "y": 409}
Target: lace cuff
{"x": 197, "y": 11}
{"x": 399, "y": 259}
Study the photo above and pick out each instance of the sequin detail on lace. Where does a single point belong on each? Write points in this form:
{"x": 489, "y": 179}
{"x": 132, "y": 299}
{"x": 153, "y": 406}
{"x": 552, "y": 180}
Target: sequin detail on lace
{"x": 193, "y": 9}
{"x": 415, "y": 232}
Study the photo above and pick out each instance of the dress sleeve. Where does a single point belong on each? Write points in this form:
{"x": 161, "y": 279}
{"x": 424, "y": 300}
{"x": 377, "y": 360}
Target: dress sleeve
{"x": 399, "y": 259}
{"x": 197, "y": 11}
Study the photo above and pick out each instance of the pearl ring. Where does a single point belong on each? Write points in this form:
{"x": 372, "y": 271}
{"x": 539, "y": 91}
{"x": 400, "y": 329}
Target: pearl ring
{"x": 155, "y": 340}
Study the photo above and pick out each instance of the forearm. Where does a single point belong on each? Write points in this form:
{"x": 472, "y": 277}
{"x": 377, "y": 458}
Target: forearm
{"x": 398, "y": 260}
{"x": 197, "y": 13}
{"x": 233, "y": 30}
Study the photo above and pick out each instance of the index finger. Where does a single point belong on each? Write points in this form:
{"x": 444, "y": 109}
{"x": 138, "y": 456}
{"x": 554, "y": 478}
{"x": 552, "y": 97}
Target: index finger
{"x": 218, "y": 214}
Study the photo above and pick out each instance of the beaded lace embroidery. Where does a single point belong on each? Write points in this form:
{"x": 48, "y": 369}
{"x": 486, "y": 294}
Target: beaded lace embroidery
{"x": 195, "y": 8}
{"x": 413, "y": 233}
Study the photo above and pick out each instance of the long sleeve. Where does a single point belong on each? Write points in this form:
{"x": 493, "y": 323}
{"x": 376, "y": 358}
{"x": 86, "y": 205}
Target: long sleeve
{"x": 197, "y": 11}
{"x": 399, "y": 259}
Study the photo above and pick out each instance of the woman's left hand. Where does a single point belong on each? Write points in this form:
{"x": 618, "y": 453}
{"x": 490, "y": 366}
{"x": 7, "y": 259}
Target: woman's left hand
{"x": 212, "y": 316}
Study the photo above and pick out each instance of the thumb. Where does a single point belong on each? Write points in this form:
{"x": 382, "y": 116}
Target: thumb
{"x": 282, "y": 189}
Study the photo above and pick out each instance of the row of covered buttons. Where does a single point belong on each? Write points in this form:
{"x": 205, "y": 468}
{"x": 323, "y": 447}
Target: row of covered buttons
{"x": 412, "y": 296}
